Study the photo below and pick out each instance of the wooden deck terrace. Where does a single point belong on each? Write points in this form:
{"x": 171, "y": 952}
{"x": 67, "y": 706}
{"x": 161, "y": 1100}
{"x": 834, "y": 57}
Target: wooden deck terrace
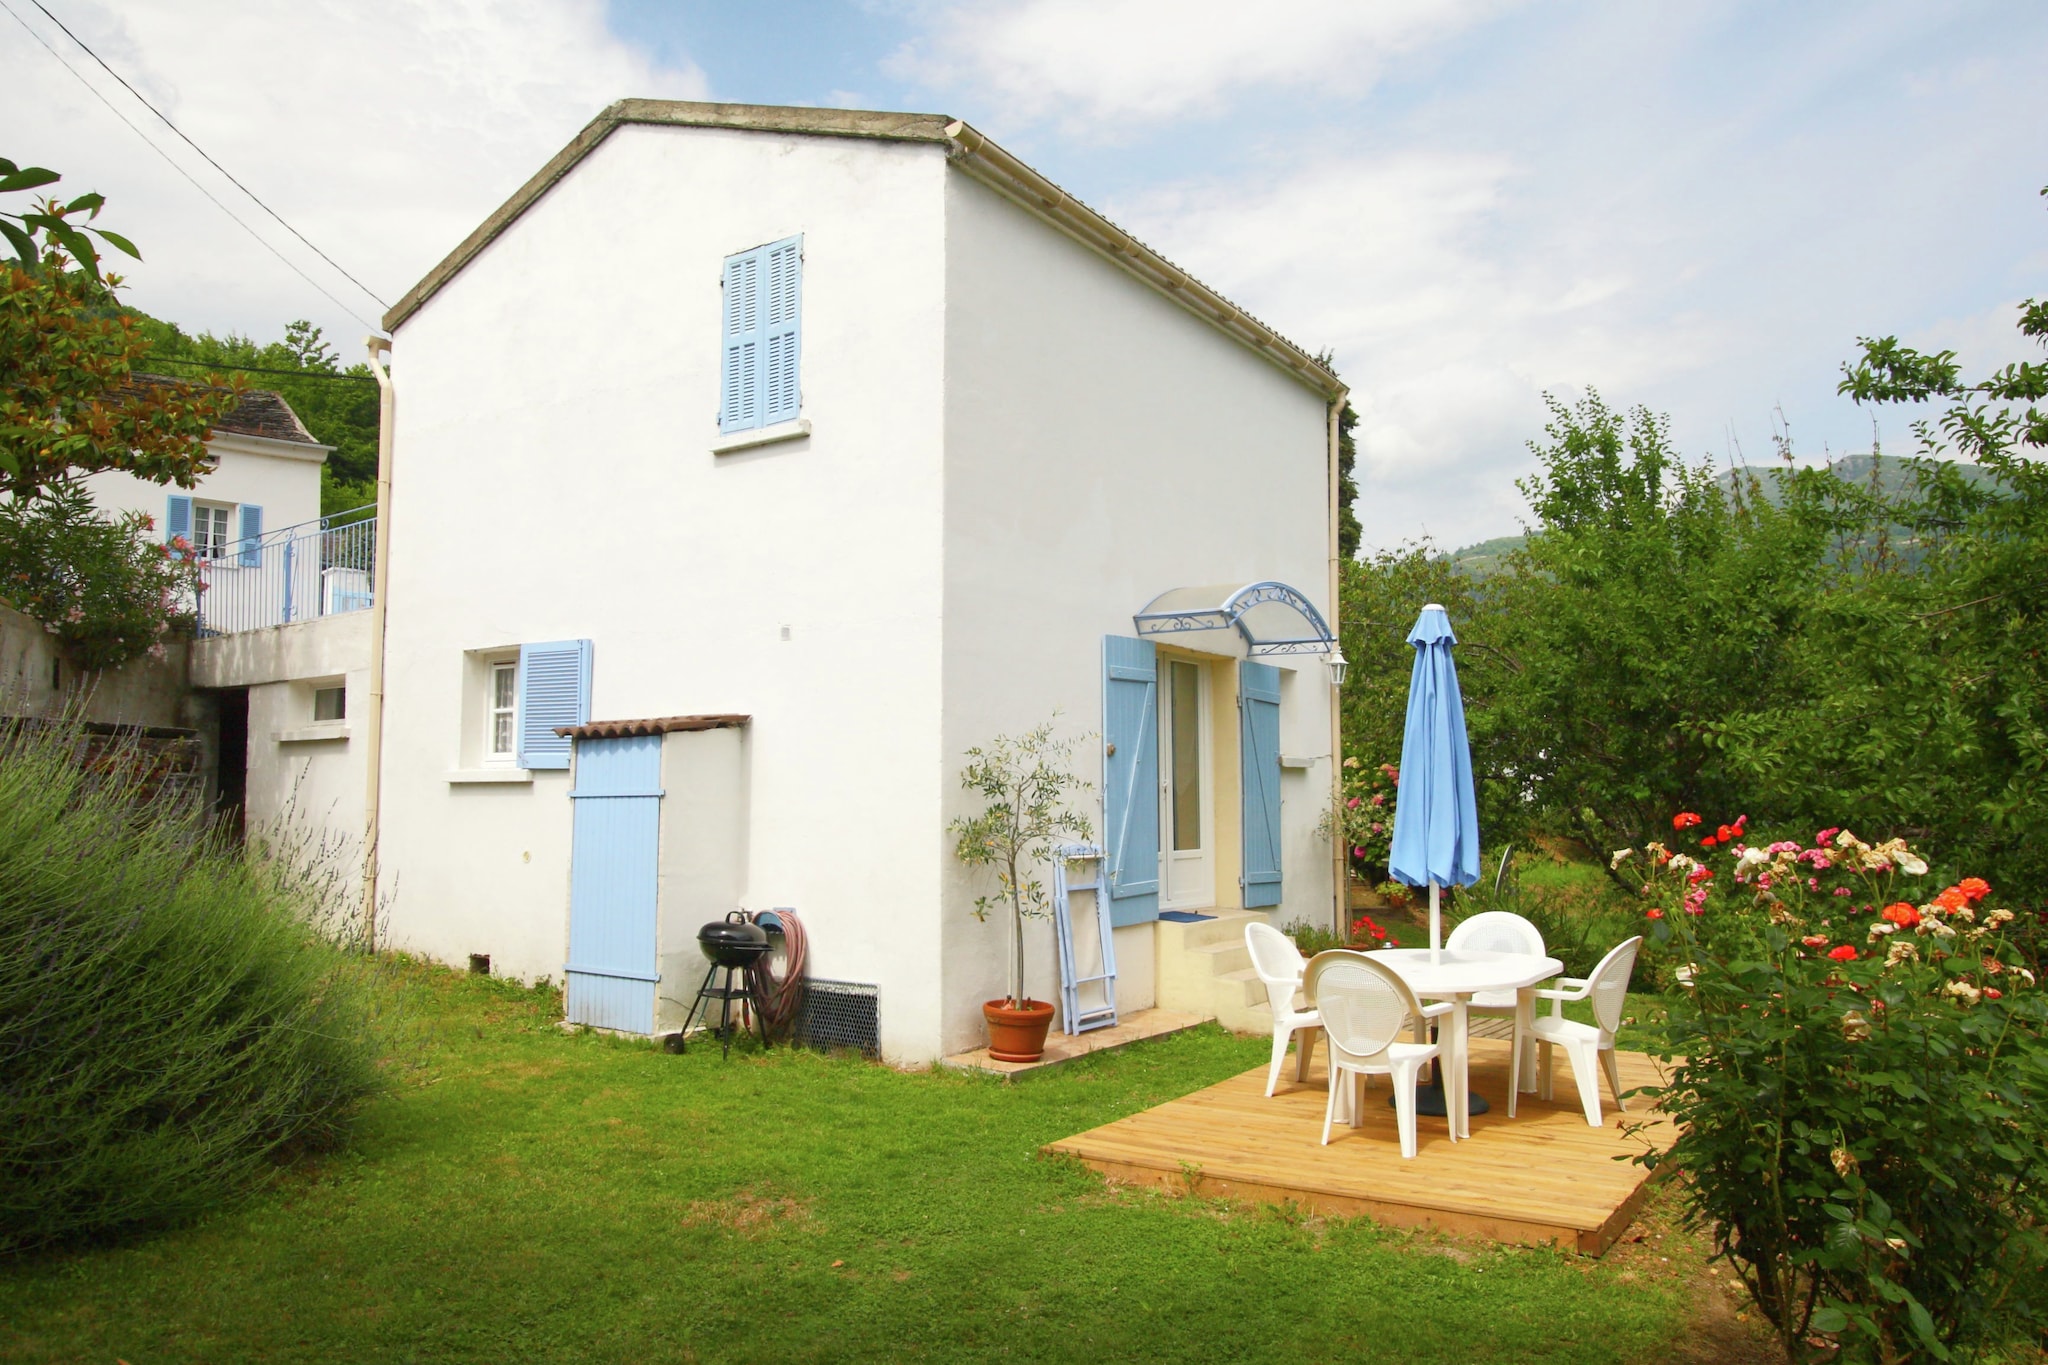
{"x": 1544, "y": 1176}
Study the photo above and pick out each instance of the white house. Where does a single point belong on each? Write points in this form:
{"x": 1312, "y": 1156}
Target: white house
{"x": 267, "y": 477}
{"x": 852, "y": 442}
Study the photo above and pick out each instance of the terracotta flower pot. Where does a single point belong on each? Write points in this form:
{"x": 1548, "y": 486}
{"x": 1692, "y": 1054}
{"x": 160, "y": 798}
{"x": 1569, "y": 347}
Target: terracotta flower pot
{"x": 1017, "y": 1035}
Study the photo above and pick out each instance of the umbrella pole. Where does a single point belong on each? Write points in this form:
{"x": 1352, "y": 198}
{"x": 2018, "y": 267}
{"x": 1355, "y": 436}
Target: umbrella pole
{"x": 1436, "y": 924}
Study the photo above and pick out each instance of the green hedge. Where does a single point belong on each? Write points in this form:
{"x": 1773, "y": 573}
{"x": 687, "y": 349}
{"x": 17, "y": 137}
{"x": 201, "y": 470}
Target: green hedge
{"x": 172, "y": 1024}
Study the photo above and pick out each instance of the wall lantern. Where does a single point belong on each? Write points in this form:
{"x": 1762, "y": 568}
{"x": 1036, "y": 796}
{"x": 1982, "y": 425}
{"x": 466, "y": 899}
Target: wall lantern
{"x": 1338, "y": 666}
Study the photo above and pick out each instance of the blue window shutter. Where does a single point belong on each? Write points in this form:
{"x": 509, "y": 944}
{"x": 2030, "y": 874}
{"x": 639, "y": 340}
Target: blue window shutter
{"x": 252, "y": 531}
{"x": 1130, "y": 777}
{"x": 739, "y": 401}
{"x": 177, "y": 518}
{"x": 1258, "y": 703}
{"x": 781, "y": 339}
{"x": 554, "y": 689}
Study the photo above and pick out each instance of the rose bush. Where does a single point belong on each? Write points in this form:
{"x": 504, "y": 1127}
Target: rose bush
{"x": 1363, "y": 817}
{"x": 1858, "y": 1069}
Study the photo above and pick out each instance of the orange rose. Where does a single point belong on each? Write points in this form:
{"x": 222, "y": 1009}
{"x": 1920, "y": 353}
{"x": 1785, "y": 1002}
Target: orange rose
{"x": 1902, "y": 914}
{"x": 1952, "y": 900}
{"x": 1976, "y": 888}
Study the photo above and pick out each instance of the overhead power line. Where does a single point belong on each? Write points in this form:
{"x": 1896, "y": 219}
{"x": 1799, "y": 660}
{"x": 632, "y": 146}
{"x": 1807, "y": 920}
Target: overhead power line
{"x": 226, "y": 368}
{"x": 260, "y": 239}
{"x": 202, "y": 151}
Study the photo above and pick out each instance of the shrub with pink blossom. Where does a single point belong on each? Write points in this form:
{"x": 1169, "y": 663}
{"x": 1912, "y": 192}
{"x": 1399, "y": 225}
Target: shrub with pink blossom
{"x": 105, "y": 586}
{"x": 1363, "y": 816}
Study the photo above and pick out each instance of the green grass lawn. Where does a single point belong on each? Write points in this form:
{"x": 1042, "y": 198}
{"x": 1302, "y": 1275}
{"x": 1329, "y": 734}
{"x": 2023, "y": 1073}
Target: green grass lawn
{"x": 525, "y": 1194}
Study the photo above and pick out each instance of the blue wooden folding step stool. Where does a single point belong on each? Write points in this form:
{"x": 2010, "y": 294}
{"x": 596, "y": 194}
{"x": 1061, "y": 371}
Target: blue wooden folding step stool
{"x": 1074, "y": 1015}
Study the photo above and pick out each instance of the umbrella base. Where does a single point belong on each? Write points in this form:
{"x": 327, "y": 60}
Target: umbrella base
{"x": 1429, "y": 1099}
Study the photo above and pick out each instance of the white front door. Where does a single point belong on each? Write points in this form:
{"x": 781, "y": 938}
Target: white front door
{"x": 1187, "y": 819}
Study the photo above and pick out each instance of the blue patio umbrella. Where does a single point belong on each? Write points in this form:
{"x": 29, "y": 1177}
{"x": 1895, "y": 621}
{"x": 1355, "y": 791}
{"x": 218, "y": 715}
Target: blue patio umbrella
{"x": 1436, "y": 820}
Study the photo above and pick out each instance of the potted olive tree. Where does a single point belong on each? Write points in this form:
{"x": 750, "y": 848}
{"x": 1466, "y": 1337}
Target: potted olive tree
{"x": 1024, "y": 784}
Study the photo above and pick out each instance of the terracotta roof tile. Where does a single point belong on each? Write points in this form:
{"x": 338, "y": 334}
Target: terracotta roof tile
{"x": 660, "y": 725}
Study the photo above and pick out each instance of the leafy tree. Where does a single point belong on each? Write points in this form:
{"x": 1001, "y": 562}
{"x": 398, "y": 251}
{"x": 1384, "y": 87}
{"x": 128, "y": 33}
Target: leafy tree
{"x": 66, "y": 353}
{"x": 1025, "y": 783}
{"x": 1930, "y": 713}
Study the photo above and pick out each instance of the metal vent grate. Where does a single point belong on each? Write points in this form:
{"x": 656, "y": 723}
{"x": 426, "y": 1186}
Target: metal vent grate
{"x": 841, "y": 1014}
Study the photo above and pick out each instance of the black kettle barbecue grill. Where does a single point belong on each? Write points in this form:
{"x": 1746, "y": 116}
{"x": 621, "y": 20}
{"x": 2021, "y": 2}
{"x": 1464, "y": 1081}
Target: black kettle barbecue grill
{"x": 732, "y": 945}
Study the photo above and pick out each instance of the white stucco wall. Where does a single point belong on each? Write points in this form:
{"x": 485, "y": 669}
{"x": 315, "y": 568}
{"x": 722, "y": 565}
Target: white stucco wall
{"x": 556, "y": 401}
{"x": 1103, "y": 445}
{"x": 281, "y": 478}
{"x": 306, "y": 779}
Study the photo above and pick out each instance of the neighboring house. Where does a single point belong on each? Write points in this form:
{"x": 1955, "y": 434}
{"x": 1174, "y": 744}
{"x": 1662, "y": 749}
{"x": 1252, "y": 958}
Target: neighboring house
{"x": 284, "y": 645}
{"x": 790, "y": 453}
{"x": 267, "y": 478}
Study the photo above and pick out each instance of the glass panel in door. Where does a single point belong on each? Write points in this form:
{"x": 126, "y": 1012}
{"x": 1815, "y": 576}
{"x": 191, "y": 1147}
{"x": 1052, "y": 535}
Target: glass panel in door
{"x": 1184, "y": 786}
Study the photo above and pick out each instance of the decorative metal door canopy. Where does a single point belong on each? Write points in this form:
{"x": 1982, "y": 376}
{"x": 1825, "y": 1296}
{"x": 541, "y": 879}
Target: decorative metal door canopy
{"x": 1270, "y": 616}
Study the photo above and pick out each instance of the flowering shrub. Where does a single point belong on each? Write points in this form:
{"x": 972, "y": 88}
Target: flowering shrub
{"x": 1367, "y": 934}
{"x": 1364, "y": 934}
{"x": 1858, "y": 1066}
{"x": 107, "y": 587}
{"x": 1364, "y": 815}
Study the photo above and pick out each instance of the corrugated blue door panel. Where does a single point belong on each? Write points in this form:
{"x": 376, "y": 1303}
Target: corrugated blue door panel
{"x": 554, "y": 689}
{"x": 177, "y": 518}
{"x": 613, "y": 862}
{"x": 1130, "y": 777}
{"x": 252, "y": 531}
{"x": 1258, "y": 702}
{"x": 781, "y": 331}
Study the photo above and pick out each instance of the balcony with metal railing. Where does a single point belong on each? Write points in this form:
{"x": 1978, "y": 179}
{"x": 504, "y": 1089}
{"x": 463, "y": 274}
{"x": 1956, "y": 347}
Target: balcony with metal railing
{"x": 296, "y": 573}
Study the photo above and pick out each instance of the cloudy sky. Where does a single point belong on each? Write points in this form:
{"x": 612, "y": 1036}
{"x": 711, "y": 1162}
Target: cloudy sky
{"x": 1694, "y": 206}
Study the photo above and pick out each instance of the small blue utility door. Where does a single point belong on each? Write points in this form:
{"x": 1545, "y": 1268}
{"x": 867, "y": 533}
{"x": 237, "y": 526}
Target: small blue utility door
{"x": 613, "y": 861}
{"x": 1258, "y": 701}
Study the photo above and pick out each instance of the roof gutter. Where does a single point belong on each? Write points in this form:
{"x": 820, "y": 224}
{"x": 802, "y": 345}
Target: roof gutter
{"x": 380, "y": 597}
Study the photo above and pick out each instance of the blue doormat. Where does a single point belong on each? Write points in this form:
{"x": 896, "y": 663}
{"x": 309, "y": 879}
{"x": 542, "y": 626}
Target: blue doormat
{"x": 1184, "y": 916}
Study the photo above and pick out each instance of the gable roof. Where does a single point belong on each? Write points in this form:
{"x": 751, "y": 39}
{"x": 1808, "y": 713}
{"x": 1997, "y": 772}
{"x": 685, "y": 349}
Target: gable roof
{"x": 967, "y": 149}
{"x": 261, "y": 412}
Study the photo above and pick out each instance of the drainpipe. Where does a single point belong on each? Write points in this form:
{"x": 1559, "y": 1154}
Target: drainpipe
{"x": 1342, "y": 898}
{"x": 380, "y": 582}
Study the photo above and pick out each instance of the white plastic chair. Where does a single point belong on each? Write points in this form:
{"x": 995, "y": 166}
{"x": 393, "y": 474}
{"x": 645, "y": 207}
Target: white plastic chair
{"x": 1607, "y": 987}
{"x": 1279, "y": 964}
{"x": 1365, "y": 1008}
{"x": 1499, "y": 931}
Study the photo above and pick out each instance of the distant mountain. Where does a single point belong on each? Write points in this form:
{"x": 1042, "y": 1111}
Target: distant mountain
{"x": 1487, "y": 557}
{"x": 1890, "y": 473}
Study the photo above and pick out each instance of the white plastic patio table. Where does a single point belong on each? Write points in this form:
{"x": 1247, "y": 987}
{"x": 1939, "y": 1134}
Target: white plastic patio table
{"x": 1458, "y": 975}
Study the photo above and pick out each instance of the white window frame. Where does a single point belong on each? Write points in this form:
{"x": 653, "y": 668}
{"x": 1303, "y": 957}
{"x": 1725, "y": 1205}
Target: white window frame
{"x": 492, "y": 754}
{"x": 224, "y": 551}
{"x": 322, "y": 689}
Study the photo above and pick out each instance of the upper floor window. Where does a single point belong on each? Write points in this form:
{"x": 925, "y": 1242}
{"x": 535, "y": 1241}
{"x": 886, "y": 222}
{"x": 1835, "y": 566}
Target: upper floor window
{"x": 205, "y": 527}
{"x": 761, "y": 336}
{"x": 210, "y": 529}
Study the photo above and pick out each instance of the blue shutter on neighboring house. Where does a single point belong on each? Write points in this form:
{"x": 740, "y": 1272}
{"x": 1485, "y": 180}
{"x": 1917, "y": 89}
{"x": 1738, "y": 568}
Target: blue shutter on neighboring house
{"x": 739, "y": 400}
{"x": 782, "y": 312}
{"x": 554, "y": 689}
{"x": 252, "y": 531}
{"x": 1130, "y": 777}
{"x": 177, "y": 518}
{"x": 1258, "y": 703}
